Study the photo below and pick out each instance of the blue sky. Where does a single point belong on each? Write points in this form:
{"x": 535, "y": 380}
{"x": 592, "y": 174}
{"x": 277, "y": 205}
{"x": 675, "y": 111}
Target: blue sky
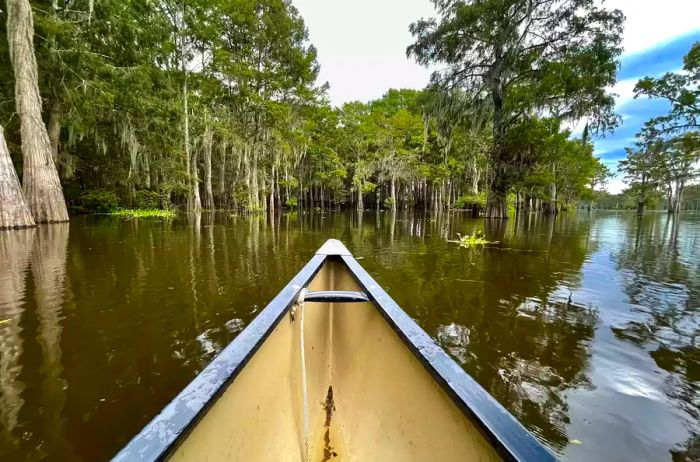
{"x": 654, "y": 61}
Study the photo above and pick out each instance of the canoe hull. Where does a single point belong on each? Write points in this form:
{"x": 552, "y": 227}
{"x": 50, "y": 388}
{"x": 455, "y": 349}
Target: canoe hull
{"x": 384, "y": 404}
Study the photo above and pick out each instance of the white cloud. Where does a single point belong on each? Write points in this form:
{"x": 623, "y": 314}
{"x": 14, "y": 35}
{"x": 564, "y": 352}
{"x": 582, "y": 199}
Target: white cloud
{"x": 362, "y": 45}
{"x": 624, "y": 89}
{"x": 650, "y": 22}
{"x": 616, "y": 186}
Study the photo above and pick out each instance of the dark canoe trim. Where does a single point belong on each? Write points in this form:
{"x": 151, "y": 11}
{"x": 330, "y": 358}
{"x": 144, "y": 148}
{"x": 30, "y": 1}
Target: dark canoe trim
{"x": 162, "y": 434}
{"x": 507, "y": 435}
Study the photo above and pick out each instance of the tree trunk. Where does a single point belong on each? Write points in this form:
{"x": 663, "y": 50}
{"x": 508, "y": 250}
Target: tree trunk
{"x": 272, "y": 189}
{"x": 42, "y": 187}
{"x": 207, "y": 142}
{"x": 641, "y": 200}
{"x": 496, "y": 206}
{"x": 393, "y": 193}
{"x": 14, "y": 212}
{"x": 550, "y": 207}
{"x": 679, "y": 198}
{"x": 360, "y": 204}
{"x": 640, "y": 206}
{"x": 196, "y": 198}
{"x": 669, "y": 198}
{"x": 496, "y": 203}
{"x": 223, "y": 203}
{"x": 193, "y": 201}
{"x": 254, "y": 194}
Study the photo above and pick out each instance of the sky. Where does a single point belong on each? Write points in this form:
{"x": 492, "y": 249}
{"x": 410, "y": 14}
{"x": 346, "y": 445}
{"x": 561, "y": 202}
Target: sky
{"x": 362, "y": 52}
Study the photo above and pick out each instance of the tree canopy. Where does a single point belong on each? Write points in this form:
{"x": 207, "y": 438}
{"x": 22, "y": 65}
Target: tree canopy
{"x": 216, "y": 105}
{"x": 523, "y": 59}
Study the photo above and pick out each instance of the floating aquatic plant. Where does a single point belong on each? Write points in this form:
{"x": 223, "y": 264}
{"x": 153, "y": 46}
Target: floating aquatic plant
{"x": 472, "y": 240}
{"x": 144, "y": 213}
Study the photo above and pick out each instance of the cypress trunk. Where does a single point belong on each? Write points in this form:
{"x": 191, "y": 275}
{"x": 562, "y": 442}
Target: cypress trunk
{"x": 42, "y": 187}
{"x": 196, "y": 198}
{"x": 186, "y": 130}
{"x": 14, "y": 212}
{"x": 207, "y": 142}
{"x": 496, "y": 206}
{"x": 550, "y": 207}
{"x": 222, "y": 177}
{"x": 360, "y": 204}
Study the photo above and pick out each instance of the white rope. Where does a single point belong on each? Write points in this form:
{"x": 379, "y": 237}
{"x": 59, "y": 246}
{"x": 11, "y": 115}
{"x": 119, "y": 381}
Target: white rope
{"x": 300, "y": 302}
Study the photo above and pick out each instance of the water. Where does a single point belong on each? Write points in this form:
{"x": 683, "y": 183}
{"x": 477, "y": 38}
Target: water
{"x": 584, "y": 327}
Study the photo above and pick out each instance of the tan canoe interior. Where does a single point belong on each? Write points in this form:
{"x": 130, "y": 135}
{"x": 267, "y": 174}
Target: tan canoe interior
{"x": 384, "y": 405}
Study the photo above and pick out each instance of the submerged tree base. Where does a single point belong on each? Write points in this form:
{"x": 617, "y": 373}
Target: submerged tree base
{"x": 144, "y": 213}
{"x": 496, "y": 206}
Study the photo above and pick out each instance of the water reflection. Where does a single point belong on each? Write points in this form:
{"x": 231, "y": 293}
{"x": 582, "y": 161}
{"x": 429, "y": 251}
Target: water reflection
{"x": 15, "y": 253}
{"x": 503, "y": 311}
{"x": 33, "y": 393}
{"x": 660, "y": 276}
{"x": 585, "y": 327}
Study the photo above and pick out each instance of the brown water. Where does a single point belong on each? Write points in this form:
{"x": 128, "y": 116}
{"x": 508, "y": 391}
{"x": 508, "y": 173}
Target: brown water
{"x": 584, "y": 327}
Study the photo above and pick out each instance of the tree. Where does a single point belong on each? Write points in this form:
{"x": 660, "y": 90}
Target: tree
{"x": 42, "y": 187}
{"x": 679, "y": 128}
{"x": 525, "y": 57}
{"x": 14, "y": 212}
{"x": 600, "y": 178}
{"x": 677, "y": 165}
{"x": 681, "y": 89}
{"x": 641, "y": 167}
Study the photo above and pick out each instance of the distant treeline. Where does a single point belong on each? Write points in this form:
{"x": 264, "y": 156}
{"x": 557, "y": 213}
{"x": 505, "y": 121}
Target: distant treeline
{"x": 627, "y": 200}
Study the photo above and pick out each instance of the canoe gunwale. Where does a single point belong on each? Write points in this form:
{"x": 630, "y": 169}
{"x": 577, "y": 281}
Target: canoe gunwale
{"x": 512, "y": 441}
{"x": 162, "y": 435}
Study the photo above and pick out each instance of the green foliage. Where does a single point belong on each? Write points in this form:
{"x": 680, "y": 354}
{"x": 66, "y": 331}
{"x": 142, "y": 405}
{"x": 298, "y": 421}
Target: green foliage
{"x": 144, "y": 199}
{"x": 681, "y": 90}
{"x": 144, "y": 213}
{"x": 259, "y": 126}
{"x": 510, "y": 202}
{"x": 627, "y": 200}
{"x": 519, "y": 58}
{"x": 97, "y": 201}
{"x": 477, "y": 239}
{"x": 471, "y": 201}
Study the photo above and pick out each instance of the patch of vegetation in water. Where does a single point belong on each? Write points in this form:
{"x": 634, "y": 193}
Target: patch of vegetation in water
{"x": 144, "y": 213}
{"x": 472, "y": 240}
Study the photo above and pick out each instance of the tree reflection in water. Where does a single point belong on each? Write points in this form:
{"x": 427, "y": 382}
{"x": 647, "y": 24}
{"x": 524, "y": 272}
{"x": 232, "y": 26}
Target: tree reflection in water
{"x": 661, "y": 275}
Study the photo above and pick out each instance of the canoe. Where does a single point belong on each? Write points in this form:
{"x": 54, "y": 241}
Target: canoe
{"x": 333, "y": 370}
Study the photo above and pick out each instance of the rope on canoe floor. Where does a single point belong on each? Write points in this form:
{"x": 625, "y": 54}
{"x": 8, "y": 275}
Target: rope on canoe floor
{"x": 300, "y": 303}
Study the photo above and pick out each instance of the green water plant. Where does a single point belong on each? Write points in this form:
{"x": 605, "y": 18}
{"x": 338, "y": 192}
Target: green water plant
{"x": 472, "y": 240}
{"x": 144, "y": 213}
